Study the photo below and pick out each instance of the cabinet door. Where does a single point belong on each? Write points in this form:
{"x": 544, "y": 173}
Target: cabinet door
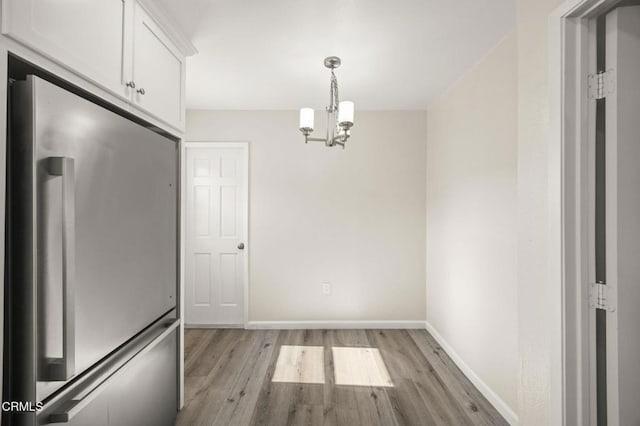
{"x": 88, "y": 37}
{"x": 158, "y": 71}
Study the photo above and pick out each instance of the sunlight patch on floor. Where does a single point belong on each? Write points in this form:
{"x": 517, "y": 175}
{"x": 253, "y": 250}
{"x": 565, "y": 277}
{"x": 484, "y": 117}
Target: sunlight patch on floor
{"x": 300, "y": 364}
{"x": 353, "y": 366}
{"x": 360, "y": 367}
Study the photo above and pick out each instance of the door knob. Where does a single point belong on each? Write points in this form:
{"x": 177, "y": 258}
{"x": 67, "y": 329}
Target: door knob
{"x": 131, "y": 84}
{"x": 241, "y": 246}
{"x": 141, "y": 91}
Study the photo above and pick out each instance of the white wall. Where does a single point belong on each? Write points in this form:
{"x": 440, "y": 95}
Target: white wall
{"x": 538, "y": 294}
{"x": 472, "y": 223}
{"x": 354, "y": 217}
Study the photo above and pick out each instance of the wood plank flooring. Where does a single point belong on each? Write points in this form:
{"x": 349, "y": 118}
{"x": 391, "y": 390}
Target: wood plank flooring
{"x": 229, "y": 380}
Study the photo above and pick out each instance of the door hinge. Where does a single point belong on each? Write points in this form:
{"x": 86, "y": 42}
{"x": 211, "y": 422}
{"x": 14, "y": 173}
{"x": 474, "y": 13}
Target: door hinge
{"x": 601, "y": 84}
{"x": 601, "y": 297}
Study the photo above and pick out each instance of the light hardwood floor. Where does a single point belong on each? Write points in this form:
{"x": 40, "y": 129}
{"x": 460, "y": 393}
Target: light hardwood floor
{"x": 229, "y": 380}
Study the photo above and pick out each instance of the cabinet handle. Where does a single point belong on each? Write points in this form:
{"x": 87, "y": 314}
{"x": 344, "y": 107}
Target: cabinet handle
{"x": 131, "y": 84}
{"x": 141, "y": 91}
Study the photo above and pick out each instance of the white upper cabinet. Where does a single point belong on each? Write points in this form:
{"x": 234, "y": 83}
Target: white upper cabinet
{"x": 113, "y": 43}
{"x": 86, "y": 36}
{"x": 158, "y": 71}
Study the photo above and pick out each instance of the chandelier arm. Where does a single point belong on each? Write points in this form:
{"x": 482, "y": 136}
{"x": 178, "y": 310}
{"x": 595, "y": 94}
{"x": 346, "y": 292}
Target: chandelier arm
{"x": 308, "y": 139}
{"x": 341, "y": 138}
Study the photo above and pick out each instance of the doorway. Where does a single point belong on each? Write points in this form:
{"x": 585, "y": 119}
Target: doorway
{"x": 597, "y": 135}
{"x": 216, "y": 233}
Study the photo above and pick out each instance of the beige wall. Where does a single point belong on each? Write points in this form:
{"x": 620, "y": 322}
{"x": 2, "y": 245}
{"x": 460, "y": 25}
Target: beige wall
{"x": 536, "y": 293}
{"x": 537, "y": 304}
{"x": 471, "y": 221}
{"x": 354, "y": 217}
{"x": 537, "y": 319}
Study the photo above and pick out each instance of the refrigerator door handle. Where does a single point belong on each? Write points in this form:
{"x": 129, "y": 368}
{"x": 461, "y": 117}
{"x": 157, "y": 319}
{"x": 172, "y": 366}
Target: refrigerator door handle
{"x": 62, "y": 369}
{"x": 73, "y": 407}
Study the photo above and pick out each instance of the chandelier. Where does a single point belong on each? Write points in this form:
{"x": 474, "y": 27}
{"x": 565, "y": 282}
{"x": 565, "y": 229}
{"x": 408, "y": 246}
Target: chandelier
{"x": 339, "y": 114}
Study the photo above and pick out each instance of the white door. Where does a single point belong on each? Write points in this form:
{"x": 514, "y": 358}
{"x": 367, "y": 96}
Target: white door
{"x": 622, "y": 152}
{"x": 216, "y": 231}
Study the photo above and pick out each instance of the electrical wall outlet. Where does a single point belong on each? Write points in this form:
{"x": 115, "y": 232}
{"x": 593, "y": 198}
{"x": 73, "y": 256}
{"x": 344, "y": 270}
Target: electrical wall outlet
{"x": 326, "y": 288}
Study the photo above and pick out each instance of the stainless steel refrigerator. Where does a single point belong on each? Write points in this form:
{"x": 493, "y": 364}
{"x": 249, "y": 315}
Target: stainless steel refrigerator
{"x": 91, "y": 276}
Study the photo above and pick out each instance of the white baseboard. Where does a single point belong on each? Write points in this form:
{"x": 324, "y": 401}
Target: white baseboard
{"x": 297, "y": 325}
{"x": 214, "y": 326}
{"x": 502, "y": 407}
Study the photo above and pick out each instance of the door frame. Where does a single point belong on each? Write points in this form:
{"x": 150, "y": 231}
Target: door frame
{"x": 245, "y": 146}
{"x": 571, "y": 47}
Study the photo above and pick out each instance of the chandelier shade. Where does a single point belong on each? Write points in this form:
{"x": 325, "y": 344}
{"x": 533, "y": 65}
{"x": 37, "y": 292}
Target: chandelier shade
{"x": 307, "y": 118}
{"x": 345, "y": 113}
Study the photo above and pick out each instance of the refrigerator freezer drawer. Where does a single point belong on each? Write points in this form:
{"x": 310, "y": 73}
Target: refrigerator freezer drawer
{"x": 147, "y": 394}
{"x": 142, "y": 392}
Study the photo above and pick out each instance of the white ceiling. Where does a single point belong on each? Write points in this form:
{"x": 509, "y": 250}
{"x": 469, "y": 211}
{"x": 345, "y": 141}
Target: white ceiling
{"x": 396, "y": 54}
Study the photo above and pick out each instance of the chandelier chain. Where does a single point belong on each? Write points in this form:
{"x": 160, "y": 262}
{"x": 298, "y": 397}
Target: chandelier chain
{"x": 333, "y": 104}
